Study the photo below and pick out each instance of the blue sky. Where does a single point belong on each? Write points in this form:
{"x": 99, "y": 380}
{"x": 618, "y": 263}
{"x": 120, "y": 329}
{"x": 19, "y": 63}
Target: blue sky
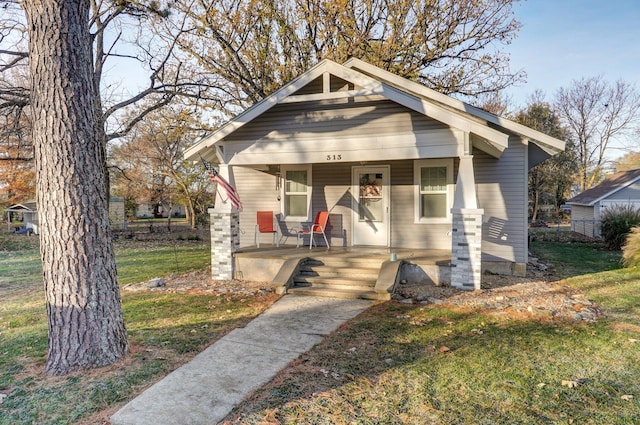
{"x": 565, "y": 40}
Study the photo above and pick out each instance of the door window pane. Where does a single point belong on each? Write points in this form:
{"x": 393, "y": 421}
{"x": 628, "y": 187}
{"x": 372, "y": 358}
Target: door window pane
{"x": 371, "y": 204}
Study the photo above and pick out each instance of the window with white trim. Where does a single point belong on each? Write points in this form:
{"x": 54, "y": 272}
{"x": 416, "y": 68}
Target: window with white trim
{"x": 433, "y": 181}
{"x": 296, "y": 199}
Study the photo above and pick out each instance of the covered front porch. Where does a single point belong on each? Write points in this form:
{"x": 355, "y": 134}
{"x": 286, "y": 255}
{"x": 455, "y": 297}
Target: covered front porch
{"x": 347, "y": 272}
{"x": 394, "y": 164}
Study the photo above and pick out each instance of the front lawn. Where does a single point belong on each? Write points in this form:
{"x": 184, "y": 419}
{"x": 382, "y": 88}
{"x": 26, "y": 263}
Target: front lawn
{"x": 165, "y": 330}
{"x": 436, "y": 364}
{"x": 394, "y": 364}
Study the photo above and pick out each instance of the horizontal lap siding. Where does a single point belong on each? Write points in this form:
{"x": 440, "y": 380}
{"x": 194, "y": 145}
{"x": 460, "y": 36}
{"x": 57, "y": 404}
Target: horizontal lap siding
{"x": 345, "y": 118}
{"x": 257, "y": 192}
{"x": 290, "y": 133}
{"x": 502, "y": 193}
{"x": 583, "y": 220}
{"x": 405, "y": 232}
{"x": 628, "y": 194}
{"x": 332, "y": 192}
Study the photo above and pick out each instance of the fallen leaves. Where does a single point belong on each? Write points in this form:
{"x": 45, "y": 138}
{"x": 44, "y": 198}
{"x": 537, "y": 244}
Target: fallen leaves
{"x": 572, "y": 383}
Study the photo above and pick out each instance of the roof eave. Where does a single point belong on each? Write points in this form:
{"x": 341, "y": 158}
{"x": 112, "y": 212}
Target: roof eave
{"x": 549, "y": 144}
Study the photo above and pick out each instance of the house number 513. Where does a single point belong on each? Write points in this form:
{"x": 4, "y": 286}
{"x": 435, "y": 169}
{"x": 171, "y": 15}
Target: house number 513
{"x": 334, "y": 157}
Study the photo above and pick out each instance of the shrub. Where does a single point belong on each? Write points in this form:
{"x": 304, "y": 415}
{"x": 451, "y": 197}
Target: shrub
{"x": 631, "y": 249}
{"x": 616, "y": 223}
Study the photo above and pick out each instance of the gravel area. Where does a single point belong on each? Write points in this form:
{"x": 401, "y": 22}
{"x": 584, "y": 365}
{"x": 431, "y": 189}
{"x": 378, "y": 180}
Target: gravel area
{"x": 200, "y": 282}
{"x": 537, "y": 295}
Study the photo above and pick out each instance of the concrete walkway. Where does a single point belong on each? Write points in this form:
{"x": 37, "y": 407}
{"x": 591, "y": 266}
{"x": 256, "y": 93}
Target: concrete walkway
{"x": 205, "y": 390}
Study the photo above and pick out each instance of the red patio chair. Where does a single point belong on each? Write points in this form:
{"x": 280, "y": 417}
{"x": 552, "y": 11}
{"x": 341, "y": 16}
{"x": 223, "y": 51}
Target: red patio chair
{"x": 319, "y": 226}
{"x": 264, "y": 224}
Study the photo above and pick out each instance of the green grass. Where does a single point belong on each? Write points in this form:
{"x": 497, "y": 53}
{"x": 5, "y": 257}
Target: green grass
{"x": 139, "y": 263}
{"x": 165, "y": 330}
{"x": 388, "y": 366}
{"x": 576, "y": 259}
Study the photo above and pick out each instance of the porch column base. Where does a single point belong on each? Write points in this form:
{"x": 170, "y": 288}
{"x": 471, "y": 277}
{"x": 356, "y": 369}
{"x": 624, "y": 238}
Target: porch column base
{"x": 225, "y": 241}
{"x": 466, "y": 249}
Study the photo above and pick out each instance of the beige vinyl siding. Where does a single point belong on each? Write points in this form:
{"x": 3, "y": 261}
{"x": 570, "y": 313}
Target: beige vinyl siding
{"x": 257, "y": 190}
{"x": 332, "y": 192}
{"x": 314, "y": 86}
{"x": 291, "y": 133}
{"x": 583, "y": 220}
{"x": 502, "y": 193}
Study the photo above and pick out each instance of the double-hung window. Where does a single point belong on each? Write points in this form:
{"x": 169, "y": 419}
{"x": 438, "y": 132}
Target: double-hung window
{"x": 296, "y": 199}
{"x": 433, "y": 180}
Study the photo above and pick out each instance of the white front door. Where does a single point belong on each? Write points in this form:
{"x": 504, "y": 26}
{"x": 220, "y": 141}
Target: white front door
{"x": 371, "y": 205}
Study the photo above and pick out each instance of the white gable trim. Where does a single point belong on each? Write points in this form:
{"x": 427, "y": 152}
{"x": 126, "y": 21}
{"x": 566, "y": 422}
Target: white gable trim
{"x": 366, "y": 86}
{"x": 549, "y": 144}
{"x": 256, "y": 110}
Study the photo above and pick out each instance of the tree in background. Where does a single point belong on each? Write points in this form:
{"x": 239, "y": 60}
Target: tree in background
{"x": 19, "y": 181}
{"x": 551, "y": 180}
{"x": 630, "y": 161}
{"x": 596, "y": 113}
{"x": 150, "y": 163}
{"x": 122, "y": 36}
{"x": 248, "y": 49}
{"x": 17, "y": 174}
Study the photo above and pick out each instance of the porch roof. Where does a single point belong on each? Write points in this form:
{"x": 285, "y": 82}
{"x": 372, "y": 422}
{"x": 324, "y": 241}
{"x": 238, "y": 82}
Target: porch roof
{"x": 487, "y": 131}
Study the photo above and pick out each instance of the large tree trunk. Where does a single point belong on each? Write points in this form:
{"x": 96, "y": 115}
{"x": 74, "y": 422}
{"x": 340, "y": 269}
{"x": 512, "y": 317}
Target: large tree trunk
{"x": 86, "y": 328}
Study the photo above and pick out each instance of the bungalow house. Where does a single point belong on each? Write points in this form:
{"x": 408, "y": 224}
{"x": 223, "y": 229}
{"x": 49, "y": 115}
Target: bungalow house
{"x": 397, "y": 165}
{"x": 622, "y": 188}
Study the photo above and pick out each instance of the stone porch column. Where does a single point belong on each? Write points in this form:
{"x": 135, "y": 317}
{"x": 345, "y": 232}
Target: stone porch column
{"x": 466, "y": 250}
{"x": 225, "y": 233}
{"x": 466, "y": 236}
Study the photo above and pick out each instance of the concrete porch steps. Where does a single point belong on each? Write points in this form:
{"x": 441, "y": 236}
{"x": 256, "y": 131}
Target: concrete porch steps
{"x": 350, "y": 294}
{"x": 339, "y": 277}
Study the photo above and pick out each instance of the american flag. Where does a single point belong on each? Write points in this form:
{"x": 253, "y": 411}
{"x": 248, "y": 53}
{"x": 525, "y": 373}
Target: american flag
{"x": 230, "y": 191}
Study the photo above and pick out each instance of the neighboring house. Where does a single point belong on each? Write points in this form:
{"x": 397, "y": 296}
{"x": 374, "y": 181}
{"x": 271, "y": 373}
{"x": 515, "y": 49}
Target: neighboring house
{"x": 30, "y": 214}
{"x": 159, "y": 211}
{"x": 622, "y": 188}
{"x": 395, "y": 163}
